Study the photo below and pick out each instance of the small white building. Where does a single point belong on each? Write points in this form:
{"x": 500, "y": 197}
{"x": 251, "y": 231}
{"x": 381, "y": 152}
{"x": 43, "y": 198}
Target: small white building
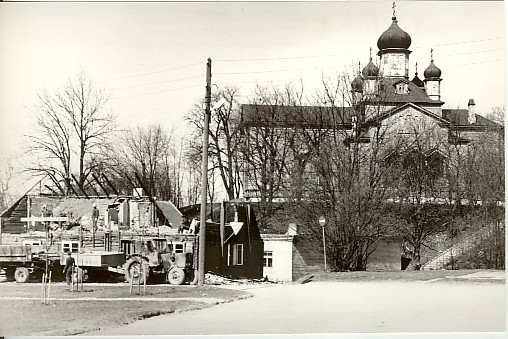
{"x": 278, "y": 255}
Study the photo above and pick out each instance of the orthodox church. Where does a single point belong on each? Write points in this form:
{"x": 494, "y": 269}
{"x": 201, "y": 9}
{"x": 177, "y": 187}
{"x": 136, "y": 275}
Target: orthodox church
{"x": 416, "y": 131}
{"x": 382, "y": 97}
{"x": 386, "y": 93}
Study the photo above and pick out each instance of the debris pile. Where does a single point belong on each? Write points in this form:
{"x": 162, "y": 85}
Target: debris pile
{"x": 215, "y": 279}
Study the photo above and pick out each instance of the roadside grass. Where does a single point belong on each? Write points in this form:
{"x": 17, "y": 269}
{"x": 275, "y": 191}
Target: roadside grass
{"x": 75, "y": 314}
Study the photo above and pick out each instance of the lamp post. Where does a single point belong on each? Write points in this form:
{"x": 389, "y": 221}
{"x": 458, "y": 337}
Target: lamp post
{"x": 322, "y": 222}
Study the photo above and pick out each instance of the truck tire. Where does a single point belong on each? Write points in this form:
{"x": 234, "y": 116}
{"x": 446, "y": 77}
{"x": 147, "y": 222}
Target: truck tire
{"x": 79, "y": 275}
{"x": 21, "y": 274}
{"x": 134, "y": 270}
{"x": 193, "y": 277}
{"x": 9, "y": 273}
{"x": 176, "y": 276}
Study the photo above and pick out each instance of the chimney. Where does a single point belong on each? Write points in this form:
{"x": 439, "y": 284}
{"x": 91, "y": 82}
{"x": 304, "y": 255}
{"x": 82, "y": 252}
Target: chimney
{"x": 471, "y": 115}
{"x": 292, "y": 229}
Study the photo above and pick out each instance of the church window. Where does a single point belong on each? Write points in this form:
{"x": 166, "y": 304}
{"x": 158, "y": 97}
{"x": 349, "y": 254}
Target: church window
{"x": 401, "y": 88}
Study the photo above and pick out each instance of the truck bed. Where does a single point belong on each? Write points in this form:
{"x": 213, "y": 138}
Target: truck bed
{"x": 15, "y": 253}
{"x": 96, "y": 258}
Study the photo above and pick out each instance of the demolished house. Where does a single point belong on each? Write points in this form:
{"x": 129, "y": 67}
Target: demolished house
{"x": 234, "y": 248}
{"x": 115, "y": 213}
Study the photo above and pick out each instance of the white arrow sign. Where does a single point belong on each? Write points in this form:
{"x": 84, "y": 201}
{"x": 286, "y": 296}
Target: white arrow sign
{"x": 236, "y": 226}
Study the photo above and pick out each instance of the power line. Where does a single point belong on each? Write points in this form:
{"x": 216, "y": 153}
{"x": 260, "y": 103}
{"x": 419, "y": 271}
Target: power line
{"x": 285, "y": 58}
{"x": 468, "y": 53}
{"x": 346, "y": 54}
{"x": 154, "y": 72}
{"x": 474, "y": 63}
{"x": 155, "y": 92}
{"x": 462, "y": 42}
{"x": 160, "y": 82}
{"x": 323, "y": 68}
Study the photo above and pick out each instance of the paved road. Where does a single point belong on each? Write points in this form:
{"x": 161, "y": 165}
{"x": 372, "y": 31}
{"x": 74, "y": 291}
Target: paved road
{"x": 342, "y": 307}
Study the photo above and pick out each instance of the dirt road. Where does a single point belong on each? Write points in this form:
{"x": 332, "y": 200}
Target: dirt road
{"x": 342, "y": 307}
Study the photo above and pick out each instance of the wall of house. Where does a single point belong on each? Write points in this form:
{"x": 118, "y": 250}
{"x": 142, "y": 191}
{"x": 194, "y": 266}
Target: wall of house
{"x": 11, "y": 219}
{"x": 216, "y": 260}
{"x": 140, "y": 213}
{"x": 282, "y": 259}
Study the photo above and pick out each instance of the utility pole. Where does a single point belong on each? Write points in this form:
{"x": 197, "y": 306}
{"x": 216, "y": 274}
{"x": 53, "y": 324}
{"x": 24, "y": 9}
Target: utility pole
{"x": 204, "y": 174}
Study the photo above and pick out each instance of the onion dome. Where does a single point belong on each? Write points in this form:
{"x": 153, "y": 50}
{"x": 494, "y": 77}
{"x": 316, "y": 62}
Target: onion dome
{"x": 432, "y": 71}
{"x": 394, "y": 37}
{"x": 370, "y": 70}
{"x": 357, "y": 84}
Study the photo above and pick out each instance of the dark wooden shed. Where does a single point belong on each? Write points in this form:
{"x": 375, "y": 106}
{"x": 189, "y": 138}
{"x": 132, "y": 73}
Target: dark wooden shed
{"x": 234, "y": 252}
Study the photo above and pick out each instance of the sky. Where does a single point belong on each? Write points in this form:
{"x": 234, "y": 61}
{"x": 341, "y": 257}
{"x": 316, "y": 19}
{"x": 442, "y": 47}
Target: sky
{"x": 151, "y": 56}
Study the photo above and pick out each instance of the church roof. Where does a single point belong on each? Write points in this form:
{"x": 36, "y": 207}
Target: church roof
{"x": 254, "y": 115}
{"x": 375, "y": 119}
{"x": 417, "y": 81}
{"x": 458, "y": 118}
{"x": 340, "y": 117}
{"x": 416, "y": 94}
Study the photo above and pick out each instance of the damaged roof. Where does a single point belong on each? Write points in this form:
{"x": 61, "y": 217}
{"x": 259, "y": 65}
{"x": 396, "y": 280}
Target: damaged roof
{"x": 170, "y": 212}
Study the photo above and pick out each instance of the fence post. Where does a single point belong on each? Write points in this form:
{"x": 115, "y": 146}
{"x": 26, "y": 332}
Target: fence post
{"x": 49, "y": 286}
{"x": 43, "y": 288}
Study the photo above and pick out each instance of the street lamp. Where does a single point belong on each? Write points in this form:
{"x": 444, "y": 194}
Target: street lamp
{"x": 322, "y": 222}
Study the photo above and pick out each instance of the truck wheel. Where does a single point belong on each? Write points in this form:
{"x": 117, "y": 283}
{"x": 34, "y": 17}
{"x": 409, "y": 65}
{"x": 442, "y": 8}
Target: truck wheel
{"x": 9, "y": 273}
{"x": 21, "y": 274}
{"x": 176, "y": 276}
{"x": 79, "y": 275}
{"x": 193, "y": 277}
{"x": 134, "y": 270}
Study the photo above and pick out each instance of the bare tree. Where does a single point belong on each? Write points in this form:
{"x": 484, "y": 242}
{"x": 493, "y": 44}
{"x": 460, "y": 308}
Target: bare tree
{"x": 418, "y": 178}
{"x": 348, "y": 187}
{"x": 269, "y": 136}
{"x": 225, "y": 139}
{"x": 486, "y": 168}
{"x": 497, "y": 115}
{"x": 51, "y": 141}
{"x": 71, "y": 121}
{"x": 6, "y": 174}
{"x": 313, "y": 158}
{"x": 146, "y": 153}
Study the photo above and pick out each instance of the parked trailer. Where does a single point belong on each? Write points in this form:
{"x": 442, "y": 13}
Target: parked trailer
{"x": 18, "y": 262}
{"x": 92, "y": 262}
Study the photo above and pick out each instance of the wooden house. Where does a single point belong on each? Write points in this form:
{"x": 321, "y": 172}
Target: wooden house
{"x": 234, "y": 247}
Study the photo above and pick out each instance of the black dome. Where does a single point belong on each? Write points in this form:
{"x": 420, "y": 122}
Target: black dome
{"x": 357, "y": 84}
{"x": 370, "y": 70}
{"x": 432, "y": 71}
{"x": 394, "y": 37}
